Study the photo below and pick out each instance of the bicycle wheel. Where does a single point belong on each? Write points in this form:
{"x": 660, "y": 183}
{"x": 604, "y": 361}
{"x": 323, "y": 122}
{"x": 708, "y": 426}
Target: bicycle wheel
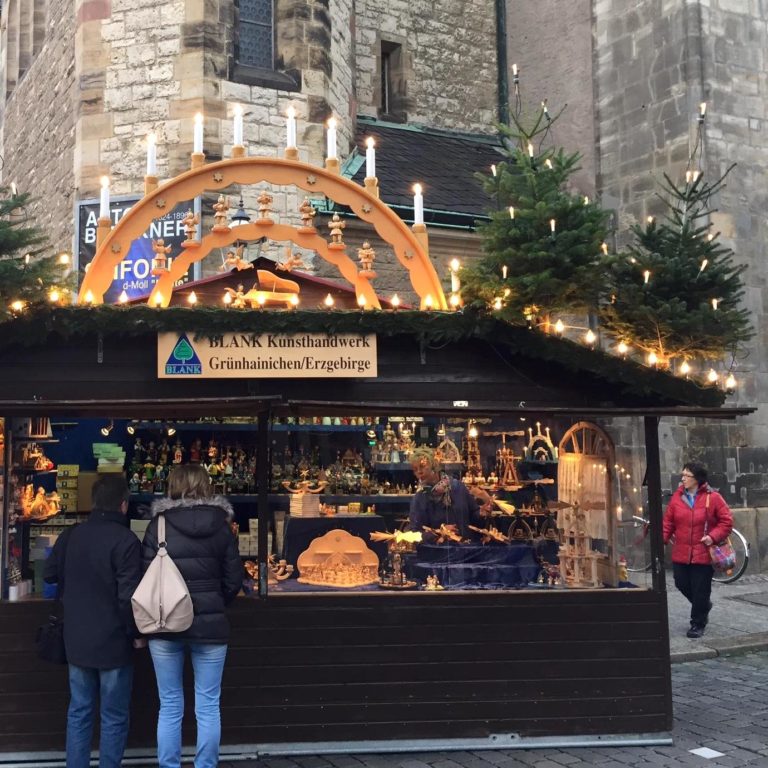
{"x": 635, "y": 544}
{"x": 741, "y": 548}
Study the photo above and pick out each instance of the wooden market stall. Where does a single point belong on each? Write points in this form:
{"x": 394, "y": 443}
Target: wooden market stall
{"x": 371, "y": 670}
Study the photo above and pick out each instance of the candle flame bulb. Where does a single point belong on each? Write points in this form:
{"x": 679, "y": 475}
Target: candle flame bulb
{"x": 455, "y": 300}
{"x": 294, "y": 300}
{"x": 290, "y": 112}
{"x": 88, "y": 297}
{"x": 646, "y": 276}
{"x": 493, "y": 170}
{"x": 590, "y": 337}
{"x": 105, "y": 181}
{"x": 158, "y": 299}
{"x": 497, "y": 303}
{"x": 504, "y": 270}
{"x": 730, "y": 382}
{"x": 192, "y": 298}
{"x": 227, "y": 299}
{"x": 395, "y": 302}
{"x": 604, "y": 248}
{"x": 54, "y": 295}
{"x": 328, "y": 301}
{"x": 428, "y": 301}
{"x": 261, "y": 299}
{"x": 715, "y": 302}
{"x": 703, "y": 109}
{"x": 688, "y": 176}
{"x": 369, "y": 142}
{"x": 361, "y": 301}
{"x": 650, "y": 219}
{"x": 559, "y": 326}
{"x": 530, "y": 150}
{"x": 17, "y": 306}
{"x": 586, "y": 199}
{"x": 455, "y": 265}
{"x": 710, "y": 237}
{"x": 64, "y": 259}
{"x": 552, "y": 225}
{"x": 712, "y": 376}
{"x": 685, "y": 369}
{"x": 548, "y": 163}
{"x": 473, "y": 432}
{"x": 512, "y": 212}
{"x": 514, "y": 70}
{"x": 652, "y": 358}
{"x": 331, "y": 122}
{"x": 623, "y": 348}
{"x": 123, "y": 297}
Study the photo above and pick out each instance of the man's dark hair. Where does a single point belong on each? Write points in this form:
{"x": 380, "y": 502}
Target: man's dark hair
{"x": 698, "y": 470}
{"x": 109, "y": 492}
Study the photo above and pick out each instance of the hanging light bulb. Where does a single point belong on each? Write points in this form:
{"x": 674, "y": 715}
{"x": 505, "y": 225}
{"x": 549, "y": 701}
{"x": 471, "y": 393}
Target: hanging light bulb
{"x": 192, "y": 298}
{"x": 712, "y": 376}
{"x": 730, "y": 383}
{"x": 623, "y": 348}
{"x": 653, "y": 358}
{"x": 328, "y": 301}
{"x": 590, "y": 337}
{"x": 123, "y": 297}
{"x": 685, "y": 368}
{"x": 559, "y": 326}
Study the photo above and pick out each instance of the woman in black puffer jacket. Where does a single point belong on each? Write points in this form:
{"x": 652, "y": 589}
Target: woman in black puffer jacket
{"x": 204, "y": 549}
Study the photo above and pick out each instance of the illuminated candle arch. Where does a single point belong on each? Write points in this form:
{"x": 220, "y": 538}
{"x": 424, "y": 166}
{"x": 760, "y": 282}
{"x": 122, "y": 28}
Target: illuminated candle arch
{"x": 410, "y": 247}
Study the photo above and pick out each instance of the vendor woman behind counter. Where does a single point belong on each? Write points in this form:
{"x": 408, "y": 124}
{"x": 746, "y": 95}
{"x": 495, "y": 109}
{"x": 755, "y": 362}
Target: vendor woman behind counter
{"x": 440, "y": 499}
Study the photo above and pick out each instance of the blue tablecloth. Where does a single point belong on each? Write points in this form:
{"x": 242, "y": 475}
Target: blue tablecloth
{"x": 300, "y": 531}
{"x": 471, "y": 566}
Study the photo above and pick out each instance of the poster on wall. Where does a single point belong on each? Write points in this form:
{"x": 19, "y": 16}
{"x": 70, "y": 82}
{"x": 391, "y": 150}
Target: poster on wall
{"x": 134, "y": 273}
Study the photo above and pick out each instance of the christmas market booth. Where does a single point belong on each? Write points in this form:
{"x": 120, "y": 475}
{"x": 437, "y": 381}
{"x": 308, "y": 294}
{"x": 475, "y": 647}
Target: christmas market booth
{"x": 539, "y": 634}
{"x": 491, "y": 607}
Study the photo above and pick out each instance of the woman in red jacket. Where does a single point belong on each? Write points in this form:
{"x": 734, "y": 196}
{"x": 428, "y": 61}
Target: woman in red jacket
{"x": 696, "y": 517}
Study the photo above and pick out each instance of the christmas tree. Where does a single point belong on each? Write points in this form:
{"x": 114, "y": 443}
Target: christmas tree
{"x": 542, "y": 245}
{"x": 27, "y": 276}
{"x": 675, "y": 290}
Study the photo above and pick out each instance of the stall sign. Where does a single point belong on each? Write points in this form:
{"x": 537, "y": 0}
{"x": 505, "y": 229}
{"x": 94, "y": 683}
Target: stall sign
{"x": 133, "y": 274}
{"x": 266, "y": 356}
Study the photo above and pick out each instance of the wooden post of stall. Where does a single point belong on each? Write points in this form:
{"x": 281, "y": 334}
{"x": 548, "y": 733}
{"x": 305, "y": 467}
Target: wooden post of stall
{"x": 5, "y": 505}
{"x": 262, "y": 502}
{"x": 655, "y": 513}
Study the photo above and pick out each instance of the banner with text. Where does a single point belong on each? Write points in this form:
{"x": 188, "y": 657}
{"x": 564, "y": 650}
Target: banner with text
{"x": 134, "y": 273}
{"x": 266, "y": 356}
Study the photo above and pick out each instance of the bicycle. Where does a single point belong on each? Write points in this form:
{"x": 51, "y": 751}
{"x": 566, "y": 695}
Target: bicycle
{"x": 638, "y": 553}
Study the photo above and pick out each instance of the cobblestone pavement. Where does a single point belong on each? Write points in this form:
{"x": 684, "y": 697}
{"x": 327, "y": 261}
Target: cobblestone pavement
{"x": 719, "y": 703}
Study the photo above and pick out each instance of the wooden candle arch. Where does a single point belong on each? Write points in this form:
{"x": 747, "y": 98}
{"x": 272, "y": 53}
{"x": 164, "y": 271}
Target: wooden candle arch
{"x": 411, "y": 247}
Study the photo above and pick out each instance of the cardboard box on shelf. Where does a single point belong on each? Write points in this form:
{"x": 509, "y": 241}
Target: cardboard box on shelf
{"x": 68, "y": 470}
{"x": 66, "y": 483}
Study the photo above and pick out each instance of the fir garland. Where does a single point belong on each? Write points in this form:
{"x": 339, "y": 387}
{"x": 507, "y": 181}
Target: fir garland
{"x": 41, "y": 325}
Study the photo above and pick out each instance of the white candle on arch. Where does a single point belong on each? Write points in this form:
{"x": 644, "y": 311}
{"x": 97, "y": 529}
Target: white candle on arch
{"x": 197, "y": 145}
{"x": 418, "y": 205}
{"x": 237, "y": 126}
{"x": 370, "y": 158}
{"x": 151, "y": 154}
{"x": 104, "y": 199}
{"x": 291, "y": 129}
{"x": 331, "y": 138}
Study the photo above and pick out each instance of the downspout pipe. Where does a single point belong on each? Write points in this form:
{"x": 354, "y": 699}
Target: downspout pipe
{"x": 502, "y": 73}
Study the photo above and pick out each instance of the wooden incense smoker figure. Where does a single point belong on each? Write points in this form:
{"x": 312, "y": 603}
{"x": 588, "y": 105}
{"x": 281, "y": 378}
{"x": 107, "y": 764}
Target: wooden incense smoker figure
{"x": 161, "y": 252}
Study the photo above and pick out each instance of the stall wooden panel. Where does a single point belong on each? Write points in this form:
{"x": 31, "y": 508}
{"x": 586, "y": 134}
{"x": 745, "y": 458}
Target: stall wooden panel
{"x": 357, "y": 667}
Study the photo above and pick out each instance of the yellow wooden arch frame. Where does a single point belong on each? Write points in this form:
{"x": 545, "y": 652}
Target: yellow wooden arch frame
{"x": 410, "y": 247}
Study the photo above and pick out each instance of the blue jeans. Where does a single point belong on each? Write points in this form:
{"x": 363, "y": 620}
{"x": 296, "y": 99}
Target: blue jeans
{"x": 87, "y": 686}
{"x": 208, "y": 666}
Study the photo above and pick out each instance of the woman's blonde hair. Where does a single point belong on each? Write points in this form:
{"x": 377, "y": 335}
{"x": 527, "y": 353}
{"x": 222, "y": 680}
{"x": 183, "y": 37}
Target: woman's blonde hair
{"x": 189, "y": 481}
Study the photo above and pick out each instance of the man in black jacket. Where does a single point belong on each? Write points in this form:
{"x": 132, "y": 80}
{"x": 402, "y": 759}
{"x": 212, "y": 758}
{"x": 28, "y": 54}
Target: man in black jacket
{"x": 101, "y": 569}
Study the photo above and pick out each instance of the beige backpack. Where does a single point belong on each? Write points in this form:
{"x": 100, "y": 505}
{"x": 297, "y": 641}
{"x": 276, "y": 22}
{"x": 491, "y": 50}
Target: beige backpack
{"x": 161, "y": 602}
